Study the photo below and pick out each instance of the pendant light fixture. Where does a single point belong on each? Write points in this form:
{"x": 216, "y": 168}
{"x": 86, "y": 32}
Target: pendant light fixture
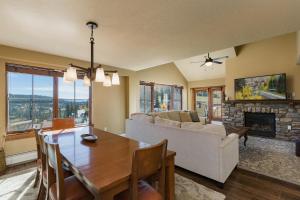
{"x": 96, "y": 74}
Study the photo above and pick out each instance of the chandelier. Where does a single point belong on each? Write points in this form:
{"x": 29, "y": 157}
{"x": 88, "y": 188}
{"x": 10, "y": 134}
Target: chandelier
{"x": 96, "y": 74}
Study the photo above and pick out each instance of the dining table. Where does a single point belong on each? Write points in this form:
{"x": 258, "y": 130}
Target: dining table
{"x": 104, "y": 166}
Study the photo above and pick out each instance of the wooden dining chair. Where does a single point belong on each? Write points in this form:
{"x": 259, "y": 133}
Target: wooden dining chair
{"x": 39, "y": 159}
{"x": 43, "y": 156}
{"x": 147, "y": 163}
{"x": 63, "y": 123}
{"x": 62, "y": 188}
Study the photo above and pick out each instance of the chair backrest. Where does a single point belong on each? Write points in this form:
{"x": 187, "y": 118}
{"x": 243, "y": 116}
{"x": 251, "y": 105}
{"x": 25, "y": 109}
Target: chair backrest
{"x": 38, "y": 144}
{"x": 40, "y": 137}
{"x": 63, "y": 123}
{"x": 55, "y": 169}
{"x": 147, "y": 162}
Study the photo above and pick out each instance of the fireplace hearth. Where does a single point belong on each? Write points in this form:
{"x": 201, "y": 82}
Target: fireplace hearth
{"x": 261, "y": 124}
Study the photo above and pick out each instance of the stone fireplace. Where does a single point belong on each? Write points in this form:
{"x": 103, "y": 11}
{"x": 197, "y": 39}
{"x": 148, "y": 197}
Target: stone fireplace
{"x": 277, "y": 119}
{"x": 261, "y": 124}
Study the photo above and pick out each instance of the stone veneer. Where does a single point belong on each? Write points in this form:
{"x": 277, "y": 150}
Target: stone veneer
{"x": 286, "y": 114}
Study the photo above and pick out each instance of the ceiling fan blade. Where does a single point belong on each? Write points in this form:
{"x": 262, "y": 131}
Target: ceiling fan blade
{"x": 221, "y": 57}
{"x": 217, "y": 62}
{"x": 197, "y": 61}
{"x": 202, "y": 64}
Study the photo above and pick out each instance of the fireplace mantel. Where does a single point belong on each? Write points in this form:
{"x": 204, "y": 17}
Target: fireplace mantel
{"x": 270, "y": 101}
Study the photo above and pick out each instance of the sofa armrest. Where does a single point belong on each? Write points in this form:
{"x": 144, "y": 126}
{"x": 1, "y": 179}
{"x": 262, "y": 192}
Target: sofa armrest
{"x": 229, "y": 138}
{"x": 229, "y": 156}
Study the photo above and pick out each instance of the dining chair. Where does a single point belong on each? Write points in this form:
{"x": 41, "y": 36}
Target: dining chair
{"x": 63, "y": 123}
{"x": 39, "y": 159}
{"x": 43, "y": 156}
{"x": 62, "y": 188}
{"x": 147, "y": 163}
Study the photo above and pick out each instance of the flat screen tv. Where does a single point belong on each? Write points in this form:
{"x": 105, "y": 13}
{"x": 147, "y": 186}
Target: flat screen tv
{"x": 261, "y": 87}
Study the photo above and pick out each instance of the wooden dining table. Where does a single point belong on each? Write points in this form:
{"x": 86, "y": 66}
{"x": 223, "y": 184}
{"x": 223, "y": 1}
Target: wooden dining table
{"x": 104, "y": 166}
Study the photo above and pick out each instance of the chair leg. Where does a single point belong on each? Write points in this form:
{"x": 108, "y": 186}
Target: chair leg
{"x": 37, "y": 178}
{"x": 41, "y": 188}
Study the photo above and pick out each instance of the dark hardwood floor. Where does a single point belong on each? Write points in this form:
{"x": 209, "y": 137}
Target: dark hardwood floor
{"x": 245, "y": 185}
{"x": 241, "y": 185}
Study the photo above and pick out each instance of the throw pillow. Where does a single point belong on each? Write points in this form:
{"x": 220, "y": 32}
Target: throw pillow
{"x": 166, "y": 122}
{"x": 185, "y": 117}
{"x": 194, "y": 116}
{"x": 163, "y": 115}
{"x": 174, "y": 115}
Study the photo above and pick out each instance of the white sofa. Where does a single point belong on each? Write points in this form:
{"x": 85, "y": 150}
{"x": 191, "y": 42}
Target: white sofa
{"x": 206, "y": 151}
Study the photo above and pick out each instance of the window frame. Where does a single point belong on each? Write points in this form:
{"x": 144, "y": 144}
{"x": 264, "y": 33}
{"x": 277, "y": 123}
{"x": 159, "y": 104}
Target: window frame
{"x": 152, "y": 85}
{"x": 33, "y": 70}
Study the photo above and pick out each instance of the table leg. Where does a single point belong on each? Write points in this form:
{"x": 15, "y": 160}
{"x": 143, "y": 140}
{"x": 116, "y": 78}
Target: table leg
{"x": 170, "y": 179}
{"x": 246, "y": 138}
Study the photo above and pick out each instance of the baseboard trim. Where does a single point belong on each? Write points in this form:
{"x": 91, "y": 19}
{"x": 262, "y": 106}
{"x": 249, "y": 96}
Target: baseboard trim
{"x": 21, "y": 158}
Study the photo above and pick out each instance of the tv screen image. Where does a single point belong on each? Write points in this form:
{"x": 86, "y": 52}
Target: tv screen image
{"x": 261, "y": 87}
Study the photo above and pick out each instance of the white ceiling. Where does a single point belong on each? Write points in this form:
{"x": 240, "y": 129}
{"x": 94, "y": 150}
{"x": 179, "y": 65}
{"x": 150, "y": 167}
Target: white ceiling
{"x": 193, "y": 72}
{"x": 137, "y": 34}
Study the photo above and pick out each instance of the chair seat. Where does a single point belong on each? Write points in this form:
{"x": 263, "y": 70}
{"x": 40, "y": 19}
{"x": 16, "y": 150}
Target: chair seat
{"x": 145, "y": 192}
{"x": 74, "y": 190}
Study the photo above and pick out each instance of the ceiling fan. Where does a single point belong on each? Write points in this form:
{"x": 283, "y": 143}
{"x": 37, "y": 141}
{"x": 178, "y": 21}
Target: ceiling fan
{"x": 209, "y": 61}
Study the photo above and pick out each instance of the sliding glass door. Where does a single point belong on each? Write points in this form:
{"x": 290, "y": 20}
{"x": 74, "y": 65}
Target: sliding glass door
{"x": 208, "y": 102}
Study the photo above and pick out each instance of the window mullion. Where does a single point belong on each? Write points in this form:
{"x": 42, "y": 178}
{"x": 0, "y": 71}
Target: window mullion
{"x": 32, "y": 96}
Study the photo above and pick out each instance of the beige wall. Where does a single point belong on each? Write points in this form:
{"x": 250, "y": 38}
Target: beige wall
{"x": 271, "y": 56}
{"x": 202, "y": 83}
{"x": 105, "y": 99}
{"x": 163, "y": 74}
{"x": 109, "y": 109}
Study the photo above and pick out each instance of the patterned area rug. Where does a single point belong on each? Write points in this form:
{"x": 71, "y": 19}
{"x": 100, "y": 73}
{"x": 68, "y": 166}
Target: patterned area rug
{"x": 274, "y": 158}
{"x": 18, "y": 186}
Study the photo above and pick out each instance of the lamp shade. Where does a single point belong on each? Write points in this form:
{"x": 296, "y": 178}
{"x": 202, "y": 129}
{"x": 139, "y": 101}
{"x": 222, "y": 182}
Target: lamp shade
{"x": 86, "y": 81}
{"x": 65, "y": 78}
{"x": 100, "y": 76}
{"x": 107, "y": 82}
{"x": 71, "y": 74}
{"x": 115, "y": 79}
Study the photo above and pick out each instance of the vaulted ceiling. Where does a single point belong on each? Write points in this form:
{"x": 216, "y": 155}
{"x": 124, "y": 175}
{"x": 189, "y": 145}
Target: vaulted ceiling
{"x": 136, "y": 34}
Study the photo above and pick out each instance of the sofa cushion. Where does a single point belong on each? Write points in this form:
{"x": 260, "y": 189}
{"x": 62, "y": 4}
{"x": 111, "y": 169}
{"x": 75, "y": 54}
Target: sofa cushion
{"x": 195, "y": 126}
{"x": 174, "y": 115}
{"x": 166, "y": 122}
{"x": 142, "y": 117}
{"x": 194, "y": 116}
{"x": 185, "y": 117}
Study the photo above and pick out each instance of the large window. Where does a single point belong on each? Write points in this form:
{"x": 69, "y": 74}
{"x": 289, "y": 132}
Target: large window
{"x": 159, "y": 97}
{"x": 37, "y": 95}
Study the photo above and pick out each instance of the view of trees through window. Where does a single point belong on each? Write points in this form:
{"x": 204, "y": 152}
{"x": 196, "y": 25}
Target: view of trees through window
{"x": 158, "y": 97}
{"x": 73, "y": 101}
{"x": 30, "y": 101}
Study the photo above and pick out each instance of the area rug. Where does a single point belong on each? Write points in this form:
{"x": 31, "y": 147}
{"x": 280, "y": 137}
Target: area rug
{"x": 18, "y": 186}
{"x": 270, "y": 157}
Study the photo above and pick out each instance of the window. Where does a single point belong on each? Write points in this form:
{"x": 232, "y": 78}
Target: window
{"x": 145, "y": 98}
{"x": 159, "y": 97}
{"x": 31, "y": 98}
{"x": 73, "y": 101}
